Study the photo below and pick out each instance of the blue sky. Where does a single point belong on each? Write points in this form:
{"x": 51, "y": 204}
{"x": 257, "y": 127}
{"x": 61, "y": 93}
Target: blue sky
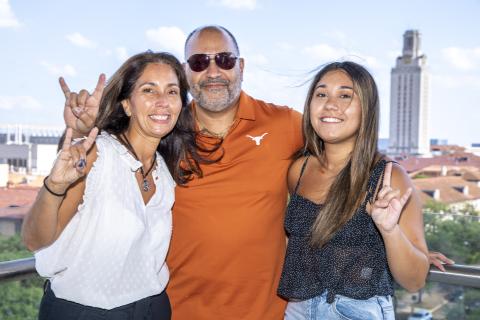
{"x": 281, "y": 42}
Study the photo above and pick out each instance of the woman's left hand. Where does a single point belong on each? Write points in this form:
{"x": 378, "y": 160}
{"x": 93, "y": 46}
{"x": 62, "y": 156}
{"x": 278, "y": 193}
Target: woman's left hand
{"x": 389, "y": 204}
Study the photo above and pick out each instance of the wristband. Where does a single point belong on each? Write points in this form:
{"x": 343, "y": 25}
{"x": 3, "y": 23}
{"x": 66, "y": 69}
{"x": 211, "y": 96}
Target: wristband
{"x": 48, "y": 189}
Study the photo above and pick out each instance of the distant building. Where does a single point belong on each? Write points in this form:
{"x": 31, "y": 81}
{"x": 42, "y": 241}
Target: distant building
{"x": 457, "y": 158}
{"x": 409, "y": 100}
{"x": 29, "y": 149}
{"x": 454, "y": 191}
{"x": 438, "y": 142}
{"x": 475, "y": 148}
{"x": 447, "y": 149}
{"x": 452, "y": 178}
{"x": 14, "y": 205}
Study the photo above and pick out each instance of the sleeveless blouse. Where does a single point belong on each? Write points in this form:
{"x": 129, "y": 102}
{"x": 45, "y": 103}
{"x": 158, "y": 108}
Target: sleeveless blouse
{"x": 112, "y": 252}
{"x": 353, "y": 263}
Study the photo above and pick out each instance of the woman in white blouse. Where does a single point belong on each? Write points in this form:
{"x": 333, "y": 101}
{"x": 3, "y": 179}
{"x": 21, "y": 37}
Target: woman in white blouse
{"x": 101, "y": 225}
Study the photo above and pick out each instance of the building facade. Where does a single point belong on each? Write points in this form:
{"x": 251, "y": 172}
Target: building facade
{"x": 29, "y": 149}
{"x": 409, "y": 100}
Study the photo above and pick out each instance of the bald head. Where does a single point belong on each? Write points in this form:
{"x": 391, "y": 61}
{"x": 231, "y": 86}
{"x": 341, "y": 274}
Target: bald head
{"x": 215, "y": 89}
{"x": 211, "y": 29}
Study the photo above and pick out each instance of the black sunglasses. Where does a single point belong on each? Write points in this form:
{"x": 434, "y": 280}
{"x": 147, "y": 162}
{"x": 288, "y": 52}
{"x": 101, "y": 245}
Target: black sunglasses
{"x": 200, "y": 61}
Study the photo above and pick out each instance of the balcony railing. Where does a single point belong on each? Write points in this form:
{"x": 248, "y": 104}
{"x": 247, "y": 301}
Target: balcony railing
{"x": 17, "y": 269}
{"x": 456, "y": 274}
{"x": 461, "y": 275}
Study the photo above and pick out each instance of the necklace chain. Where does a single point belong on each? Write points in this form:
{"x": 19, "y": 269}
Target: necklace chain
{"x": 145, "y": 184}
{"x": 219, "y": 135}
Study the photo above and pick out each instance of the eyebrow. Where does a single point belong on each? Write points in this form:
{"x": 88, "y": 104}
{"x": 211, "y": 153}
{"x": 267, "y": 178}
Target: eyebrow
{"x": 149, "y": 83}
{"x": 341, "y": 87}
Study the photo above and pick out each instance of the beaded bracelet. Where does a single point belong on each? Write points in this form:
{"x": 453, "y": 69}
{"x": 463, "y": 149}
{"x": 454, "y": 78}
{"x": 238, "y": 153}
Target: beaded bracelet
{"x": 48, "y": 189}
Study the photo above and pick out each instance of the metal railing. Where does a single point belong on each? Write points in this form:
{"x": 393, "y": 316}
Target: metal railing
{"x": 461, "y": 275}
{"x": 456, "y": 274}
{"x": 17, "y": 269}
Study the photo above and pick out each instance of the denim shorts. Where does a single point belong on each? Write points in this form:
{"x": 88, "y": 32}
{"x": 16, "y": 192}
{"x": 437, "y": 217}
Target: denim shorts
{"x": 342, "y": 308}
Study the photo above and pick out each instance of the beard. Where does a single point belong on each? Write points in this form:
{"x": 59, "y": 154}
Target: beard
{"x": 219, "y": 98}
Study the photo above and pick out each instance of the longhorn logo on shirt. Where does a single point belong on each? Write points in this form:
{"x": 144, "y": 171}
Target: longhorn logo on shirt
{"x": 257, "y": 139}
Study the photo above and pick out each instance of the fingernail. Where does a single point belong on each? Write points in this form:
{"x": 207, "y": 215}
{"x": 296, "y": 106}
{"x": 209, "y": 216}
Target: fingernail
{"x": 81, "y": 163}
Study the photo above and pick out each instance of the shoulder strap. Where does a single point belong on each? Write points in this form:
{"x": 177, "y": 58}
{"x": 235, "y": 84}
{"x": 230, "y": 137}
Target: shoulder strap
{"x": 304, "y": 165}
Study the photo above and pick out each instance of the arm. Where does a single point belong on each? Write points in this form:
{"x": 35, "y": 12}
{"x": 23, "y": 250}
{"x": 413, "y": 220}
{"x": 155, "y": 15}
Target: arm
{"x": 298, "y": 140}
{"x": 397, "y": 212}
{"x": 50, "y": 213}
{"x": 80, "y": 110}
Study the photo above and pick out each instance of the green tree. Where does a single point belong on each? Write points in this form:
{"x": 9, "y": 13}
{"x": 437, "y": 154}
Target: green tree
{"x": 19, "y": 300}
{"x": 472, "y": 303}
{"x": 457, "y": 237}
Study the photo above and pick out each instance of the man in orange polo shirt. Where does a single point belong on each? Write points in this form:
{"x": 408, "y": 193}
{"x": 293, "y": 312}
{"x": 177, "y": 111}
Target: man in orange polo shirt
{"x": 228, "y": 240}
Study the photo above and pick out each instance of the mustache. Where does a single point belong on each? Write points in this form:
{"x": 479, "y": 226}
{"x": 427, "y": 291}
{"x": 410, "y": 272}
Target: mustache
{"x": 214, "y": 81}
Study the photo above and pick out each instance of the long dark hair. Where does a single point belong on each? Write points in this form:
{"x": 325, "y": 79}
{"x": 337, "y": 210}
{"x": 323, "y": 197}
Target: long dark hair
{"x": 178, "y": 148}
{"x": 347, "y": 190}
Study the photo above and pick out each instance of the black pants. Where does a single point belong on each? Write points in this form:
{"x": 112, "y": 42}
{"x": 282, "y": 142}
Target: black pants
{"x": 151, "y": 308}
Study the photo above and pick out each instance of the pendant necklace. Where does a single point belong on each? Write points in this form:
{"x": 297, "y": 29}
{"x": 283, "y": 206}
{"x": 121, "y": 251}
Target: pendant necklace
{"x": 145, "y": 184}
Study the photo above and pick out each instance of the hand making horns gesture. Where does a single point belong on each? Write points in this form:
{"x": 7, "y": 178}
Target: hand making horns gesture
{"x": 71, "y": 161}
{"x": 81, "y": 108}
{"x": 389, "y": 204}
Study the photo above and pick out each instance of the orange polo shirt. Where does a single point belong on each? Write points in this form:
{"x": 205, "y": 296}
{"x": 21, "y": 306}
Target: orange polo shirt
{"x": 228, "y": 242}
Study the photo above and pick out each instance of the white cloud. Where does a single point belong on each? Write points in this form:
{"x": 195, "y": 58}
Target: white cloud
{"x": 7, "y": 17}
{"x": 327, "y": 53}
{"x": 456, "y": 81}
{"x": 80, "y": 40}
{"x": 338, "y": 36}
{"x": 57, "y": 70}
{"x": 167, "y": 38}
{"x": 462, "y": 58}
{"x": 19, "y": 102}
{"x": 273, "y": 87}
{"x": 285, "y": 46}
{"x": 235, "y": 4}
{"x": 256, "y": 58}
{"x": 121, "y": 53}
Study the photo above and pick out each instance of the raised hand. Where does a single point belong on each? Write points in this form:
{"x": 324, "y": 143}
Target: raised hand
{"x": 71, "y": 161}
{"x": 389, "y": 204}
{"x": 81, "y": 108}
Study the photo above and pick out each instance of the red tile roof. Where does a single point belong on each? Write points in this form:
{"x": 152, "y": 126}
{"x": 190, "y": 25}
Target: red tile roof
{"x": 459, "y": 159}
{"x": 14, "y": 202}
{"x": 449, "y": 188}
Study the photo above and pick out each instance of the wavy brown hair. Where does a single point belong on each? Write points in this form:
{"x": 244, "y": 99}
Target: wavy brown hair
{"x": 178, "y": 148}
{"x": 348, "y": 189}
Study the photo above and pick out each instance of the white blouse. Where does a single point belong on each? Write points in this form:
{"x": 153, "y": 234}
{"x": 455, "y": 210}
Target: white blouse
{"x": 113, "y": 250}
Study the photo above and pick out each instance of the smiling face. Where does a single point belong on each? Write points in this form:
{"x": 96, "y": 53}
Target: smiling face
{"x": 214, "y": 89}
{"x": 155, "y": 102}
{"x": 335, "y": 108}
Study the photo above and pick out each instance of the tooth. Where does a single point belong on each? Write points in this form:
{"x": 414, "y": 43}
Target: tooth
{"x": 331, "y": 120}
{"x": 160, "y": 117}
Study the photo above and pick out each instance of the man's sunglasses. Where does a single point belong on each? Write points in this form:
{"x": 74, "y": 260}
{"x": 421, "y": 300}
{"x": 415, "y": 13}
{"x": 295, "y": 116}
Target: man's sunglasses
{"x": 200, "y": 61}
